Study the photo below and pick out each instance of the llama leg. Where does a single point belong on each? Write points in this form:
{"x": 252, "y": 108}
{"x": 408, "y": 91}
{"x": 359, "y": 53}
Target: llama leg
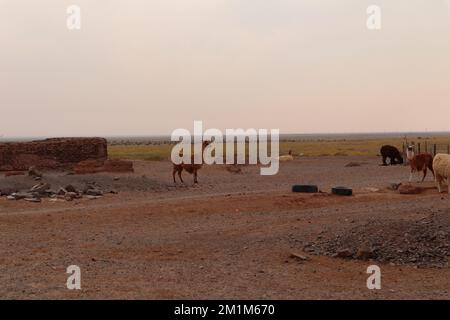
{"x": 173, "y": 175}
{"x": 195, "y": 176}
{"x": 424, "y": 174}
{"x": 179, "y": 175}
{"x": 411, "y": 175}
{"x": 384, "y": 161}
{"x": 438, "y": 182}
{"x": 432, "y": 170}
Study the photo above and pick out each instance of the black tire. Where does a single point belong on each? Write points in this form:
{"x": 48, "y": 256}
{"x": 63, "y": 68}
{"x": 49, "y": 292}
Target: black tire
{"x": 305, "y": 188}
{"x": 342, "y": 191}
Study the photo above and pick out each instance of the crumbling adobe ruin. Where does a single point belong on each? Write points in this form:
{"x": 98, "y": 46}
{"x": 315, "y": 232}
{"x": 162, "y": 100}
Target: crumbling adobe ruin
{"x": 52, "y": 153}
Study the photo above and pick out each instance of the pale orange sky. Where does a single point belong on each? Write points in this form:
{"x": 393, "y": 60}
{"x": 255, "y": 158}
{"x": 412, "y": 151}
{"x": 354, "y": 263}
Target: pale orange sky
{"x": 142, "y": 67}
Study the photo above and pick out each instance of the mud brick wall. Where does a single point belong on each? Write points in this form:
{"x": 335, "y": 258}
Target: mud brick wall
{"x": 51, "y": 153}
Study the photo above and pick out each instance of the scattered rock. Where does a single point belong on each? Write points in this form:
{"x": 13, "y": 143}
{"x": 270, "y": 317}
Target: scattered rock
{"x": 299, "y": 256}
{"x": 309, "y": 249}
{"x": 93, "y": 197}
{"x": 394, "y": 186}
{"x": 94, "y": 192}
{"x": 409, "y": 189}
{"x": 69, "y": 196}
{"x": 33, "y": 172}
{"x": 19, "y": 196}
{"x": 234, "y": 169}
{"x": 70, "y": 188}
{"x": 423, "y": 242}
{"x": 365, "y": 252}
{"x": 370, "y": 189}
{"x": 344, "y": 253}
{"x": 87, "y": 187}
{"x": 40, "y": 187}
{"x": 67, "y": 193}
{"x": 7, "y": 191}
{"x": 353, "y": 164}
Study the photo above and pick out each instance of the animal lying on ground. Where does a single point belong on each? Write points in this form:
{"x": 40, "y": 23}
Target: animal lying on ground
{"x": 191, "y": 168}
{"x": 392, "y": 153}
{"x": 420, "y": 162}
{"x": 441, "y": 166}
{"x": 288, "y": 157}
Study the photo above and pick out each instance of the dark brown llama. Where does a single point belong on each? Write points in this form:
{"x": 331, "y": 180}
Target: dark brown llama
{"x": 392, "y": 153}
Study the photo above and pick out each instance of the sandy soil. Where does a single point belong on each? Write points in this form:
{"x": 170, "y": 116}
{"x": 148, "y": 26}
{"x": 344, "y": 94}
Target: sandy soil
{"x": 230, "y": 237}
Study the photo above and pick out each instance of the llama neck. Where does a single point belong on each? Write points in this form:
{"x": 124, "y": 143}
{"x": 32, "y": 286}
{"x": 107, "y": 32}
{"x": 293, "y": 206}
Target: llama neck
{"x": 410, "y": 154}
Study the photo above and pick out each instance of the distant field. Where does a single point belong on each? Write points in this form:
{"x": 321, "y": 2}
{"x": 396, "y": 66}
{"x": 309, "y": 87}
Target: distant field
{"x": 339, "y": 147}
{"x": 140, "y": 152}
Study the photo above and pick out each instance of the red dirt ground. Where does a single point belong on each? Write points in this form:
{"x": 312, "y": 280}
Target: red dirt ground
{"x": 231, "y": 237}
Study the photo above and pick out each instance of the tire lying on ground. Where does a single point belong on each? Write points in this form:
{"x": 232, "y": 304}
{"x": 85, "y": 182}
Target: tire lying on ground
{"x": 305, "y": 188}
{"x": 342, "y": 191}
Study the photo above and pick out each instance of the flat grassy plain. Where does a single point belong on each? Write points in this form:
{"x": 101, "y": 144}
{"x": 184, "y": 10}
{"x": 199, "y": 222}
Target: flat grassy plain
{"x": 140, "y": 152}
{"x": 313, "y": 148}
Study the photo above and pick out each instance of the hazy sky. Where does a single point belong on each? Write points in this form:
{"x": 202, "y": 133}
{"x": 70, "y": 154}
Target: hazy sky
{"x": 151, "y": 66}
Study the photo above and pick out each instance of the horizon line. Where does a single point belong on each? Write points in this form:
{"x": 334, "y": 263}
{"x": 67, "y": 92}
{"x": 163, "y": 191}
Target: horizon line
{"x": 2, "y": 136}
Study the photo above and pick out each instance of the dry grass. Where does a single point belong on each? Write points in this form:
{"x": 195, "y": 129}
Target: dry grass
{"x": 367, "y": 147}
{"x": 140, "y": 152}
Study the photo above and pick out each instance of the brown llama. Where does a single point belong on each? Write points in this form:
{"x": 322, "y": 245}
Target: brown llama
{"x": 191, "y": 168}
{"x": 420, "y": 162}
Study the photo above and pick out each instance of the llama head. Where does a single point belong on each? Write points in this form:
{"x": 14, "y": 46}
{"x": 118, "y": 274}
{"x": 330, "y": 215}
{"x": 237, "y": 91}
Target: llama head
{"x": 410, "y": 152}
